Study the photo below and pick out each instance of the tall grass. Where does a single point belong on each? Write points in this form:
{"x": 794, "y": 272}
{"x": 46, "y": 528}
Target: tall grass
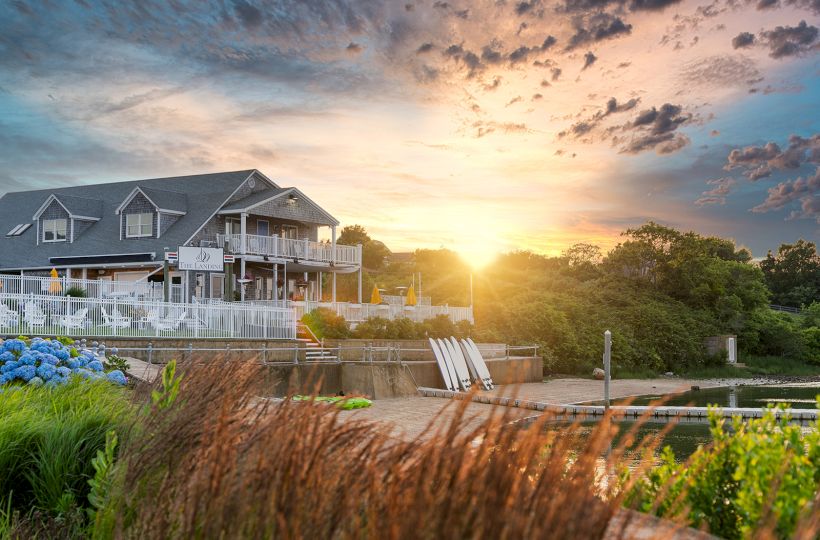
{"x": 48, "y": 438}
{"x": 224, "y": 463}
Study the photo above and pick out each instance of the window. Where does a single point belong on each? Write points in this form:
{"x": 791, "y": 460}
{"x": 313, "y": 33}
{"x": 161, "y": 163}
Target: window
{"x": 19, "y": 229}
{"x": 262, "y": 227}
{"x": 232, "y": 226}
{"x": 54, "y": 230}
{"x": 139, "y": 225}
{"x": 289, "y": 231}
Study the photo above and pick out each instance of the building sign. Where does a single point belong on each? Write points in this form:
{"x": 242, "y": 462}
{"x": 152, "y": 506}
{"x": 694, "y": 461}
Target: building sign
{"x": 202, "y": 259}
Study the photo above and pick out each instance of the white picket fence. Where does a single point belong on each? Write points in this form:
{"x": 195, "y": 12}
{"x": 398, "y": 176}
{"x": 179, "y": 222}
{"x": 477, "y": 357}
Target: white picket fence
{"x": 43, "y": 314}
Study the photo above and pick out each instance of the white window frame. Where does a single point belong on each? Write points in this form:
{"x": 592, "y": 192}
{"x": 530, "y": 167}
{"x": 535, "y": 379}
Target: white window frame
{"x": 51, "y": 225}
{"x": 288, "y": 229}
{"x": 140, "y": 224}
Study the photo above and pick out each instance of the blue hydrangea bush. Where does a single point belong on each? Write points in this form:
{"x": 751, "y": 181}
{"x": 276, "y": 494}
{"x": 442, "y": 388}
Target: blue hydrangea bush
{"x": 47, "y": 362}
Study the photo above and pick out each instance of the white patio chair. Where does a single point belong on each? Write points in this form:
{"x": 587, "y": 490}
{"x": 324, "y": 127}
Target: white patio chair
{"x": 8, "y": 317}
{"x": 115, "y": 321}
{"x": 33, "y": 315}
{"x": 149, "y": 319}
{"x": 170, "y": 325}
{"x": 77, "y": 320}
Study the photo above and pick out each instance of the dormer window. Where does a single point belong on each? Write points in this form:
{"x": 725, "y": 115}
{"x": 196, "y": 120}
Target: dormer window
{"x": 54, "y": 230}
{"x": 139, "y": 225}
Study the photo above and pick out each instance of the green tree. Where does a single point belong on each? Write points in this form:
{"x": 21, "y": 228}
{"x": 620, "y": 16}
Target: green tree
{"x": 793, "y": 274}
{"x": 374, "y": 252}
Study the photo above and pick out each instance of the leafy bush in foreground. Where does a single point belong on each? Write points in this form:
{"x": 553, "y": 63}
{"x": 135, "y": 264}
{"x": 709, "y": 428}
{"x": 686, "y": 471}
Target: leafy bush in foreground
{"x": 763, "y": 474}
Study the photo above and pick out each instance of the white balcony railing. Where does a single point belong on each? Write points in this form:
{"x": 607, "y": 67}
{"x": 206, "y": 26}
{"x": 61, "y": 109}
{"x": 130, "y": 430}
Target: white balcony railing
{"x": 356, "y": 313}
{"x": 286, "y": 248}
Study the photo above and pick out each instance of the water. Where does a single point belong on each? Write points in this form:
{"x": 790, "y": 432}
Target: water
{"x": 756, "y": 397}
{"x": 685, "y": 437}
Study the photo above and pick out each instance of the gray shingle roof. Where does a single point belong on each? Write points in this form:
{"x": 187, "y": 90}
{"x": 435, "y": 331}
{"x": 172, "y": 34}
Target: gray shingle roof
{"x": 81, "y": 206}
{"x": 167, "y": 200}
{"x": 204, "y": 193}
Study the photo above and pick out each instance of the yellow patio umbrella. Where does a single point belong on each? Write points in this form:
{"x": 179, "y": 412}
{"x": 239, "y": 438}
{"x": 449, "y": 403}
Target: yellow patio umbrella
{"x": 375, "y": 298}
{"x": 54, "y": 286}
{"x": 411, "y": 297}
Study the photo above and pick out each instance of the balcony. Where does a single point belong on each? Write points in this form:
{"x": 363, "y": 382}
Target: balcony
{"x": 286, "y": 248}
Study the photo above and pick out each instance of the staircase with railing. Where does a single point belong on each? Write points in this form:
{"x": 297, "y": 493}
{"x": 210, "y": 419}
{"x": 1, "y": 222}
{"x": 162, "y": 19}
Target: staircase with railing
{"x": 314, "y": 348}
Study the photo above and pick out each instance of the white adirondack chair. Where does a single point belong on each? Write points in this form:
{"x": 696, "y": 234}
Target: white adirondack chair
{"x": 8, "y": 317}
{"x": 170, "y": 325}
{"x": 33, "y": 315}
{"x": 116, "y": 320}
{"x": 77, "y": 320}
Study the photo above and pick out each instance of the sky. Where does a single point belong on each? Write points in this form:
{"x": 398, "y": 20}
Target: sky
{"x": 479, "y": 126}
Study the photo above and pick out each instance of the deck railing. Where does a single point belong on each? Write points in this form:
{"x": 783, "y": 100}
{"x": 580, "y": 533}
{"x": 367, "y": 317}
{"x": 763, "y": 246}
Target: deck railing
{"x": 92, "y": 288}
{"x": 43, "y": 314}
{"x": 287, "y": 248}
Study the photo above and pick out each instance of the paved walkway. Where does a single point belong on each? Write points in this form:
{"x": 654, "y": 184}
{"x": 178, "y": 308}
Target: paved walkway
{"x": 143, "y": 370}
{"x": 409, "y": 417}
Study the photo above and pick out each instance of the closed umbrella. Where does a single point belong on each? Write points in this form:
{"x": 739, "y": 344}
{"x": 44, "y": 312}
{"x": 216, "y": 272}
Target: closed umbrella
{"x": 375, "y": 298}
{"x": 55, "y": 286}
{"x": 411, "y": 297}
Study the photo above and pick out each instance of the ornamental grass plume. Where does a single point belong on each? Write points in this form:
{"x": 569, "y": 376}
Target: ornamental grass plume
{"x": 222, "y": 462}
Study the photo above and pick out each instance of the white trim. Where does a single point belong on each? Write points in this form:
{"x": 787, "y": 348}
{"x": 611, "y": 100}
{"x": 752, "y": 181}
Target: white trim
{"x": 133, "y": 194}
{"x": 254, "y": 205}
{"x": 84, "y": 218}
{"x": 46, "y": 204}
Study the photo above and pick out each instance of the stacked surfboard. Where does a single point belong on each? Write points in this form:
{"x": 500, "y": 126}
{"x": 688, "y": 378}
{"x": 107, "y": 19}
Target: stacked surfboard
{"x": 461, "y": 364}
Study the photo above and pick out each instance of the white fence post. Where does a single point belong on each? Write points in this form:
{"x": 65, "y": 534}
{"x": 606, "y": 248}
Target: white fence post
{"x": 607, "y": 362}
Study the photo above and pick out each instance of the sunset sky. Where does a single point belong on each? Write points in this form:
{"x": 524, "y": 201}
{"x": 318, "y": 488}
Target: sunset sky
{"x": 479, "y": 126}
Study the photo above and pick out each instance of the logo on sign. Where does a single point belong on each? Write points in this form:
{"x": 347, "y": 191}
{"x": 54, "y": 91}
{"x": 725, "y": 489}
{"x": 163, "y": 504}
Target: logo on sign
{"x": 201, "y": 259}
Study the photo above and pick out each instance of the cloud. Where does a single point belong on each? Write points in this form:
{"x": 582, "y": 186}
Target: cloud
{"x": 597, "y": 27}
{"x": 425, "y": 48}
{"x": 589, "y": 59}
{"x": 718, "y": 194}
{"x": 250, "y": 16}
{"x": 354, "y": 48}
{"x": 656, "y": 129}
{"x": 587, "y": 125}
{"x": 555, "y": 73}
{"x": 760, "y": 161}
{"x": 743, "y": 39}
{"x": 632, "y": 5}
{"x": 718, "y": 71}
{"x": 784, "y": 193}
{"x": 485, "y": 128}
{"x": 785, "y": 41}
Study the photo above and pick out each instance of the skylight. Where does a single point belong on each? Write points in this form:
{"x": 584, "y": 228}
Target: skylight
{"x": 19, "y": 229}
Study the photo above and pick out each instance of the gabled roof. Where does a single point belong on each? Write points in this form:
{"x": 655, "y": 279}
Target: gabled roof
{"x": 205, "y": 194}
{"x": 170, "y": 202}
{"x": 256, "y": 199}
{"x": 77, "y": 207}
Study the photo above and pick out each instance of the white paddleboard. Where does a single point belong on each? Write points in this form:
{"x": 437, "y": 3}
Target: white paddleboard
{"x": 468, "y": 358}
{"x": 460, "y": 364}
{"x": 442, "y": 366}
{"x": 480, "y": 364}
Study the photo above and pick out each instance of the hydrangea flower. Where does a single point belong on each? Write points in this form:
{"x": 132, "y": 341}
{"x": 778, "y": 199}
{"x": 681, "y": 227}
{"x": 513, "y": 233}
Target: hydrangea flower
{"x": 25, "y": 373}
{"x": 26, "y": 359}
{"x": 14, "y": 345}
{"x": 117, "y": 377}
{"x": 63, "y": 372}
{"x": 46, "y": 371}
{"x": 36, "y": 381}
{"x": 96, "y": 365}
{"x": 7, "y": 356}
{"x": 9, "y": 367}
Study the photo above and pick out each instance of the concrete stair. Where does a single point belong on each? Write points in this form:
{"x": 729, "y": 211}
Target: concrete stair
{"x": 314, "y": 352}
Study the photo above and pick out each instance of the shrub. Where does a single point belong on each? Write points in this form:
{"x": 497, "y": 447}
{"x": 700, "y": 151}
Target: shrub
{"x": 48, "y": 438}
{"x": 76, "y": 292}
{"x": 758, "y": 474}
{"x": 325, "y": 323}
